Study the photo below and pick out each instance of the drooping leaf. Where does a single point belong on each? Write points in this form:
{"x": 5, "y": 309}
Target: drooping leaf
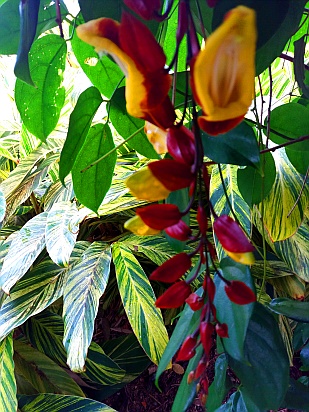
{"x": 7, "y": 377}
{"x": 237, "y": 317}
{"x": 85, "y": 285}
{"x": 127, "y": 125}
{"x": 29, "y": 12}
{"x": 139, "y": 302}
{"x": 291, "y": 308}
{"x": 92, "y": 184}
{"x": 80, "y": 122}
{"x": 40, "y": 106}
{"x": 265, "y": 372}
{"x": 219, "y": 387}
{"x": 24, "y": 249}
{"x": 297, "y": 396}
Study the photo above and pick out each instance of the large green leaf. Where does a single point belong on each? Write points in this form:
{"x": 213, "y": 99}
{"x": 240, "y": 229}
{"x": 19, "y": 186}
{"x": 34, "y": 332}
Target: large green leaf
{"x": 60, "y": 403}
{"x": 265, "y": 373}
{"x": 25, "y": 248}
{"x": 43, "y": 374}
{"x": 58, "y": 193}
{"x": 80, "y": 121}
{"x": 7, "y": 377}
{"x": 86, "y": 282}
{"x": 127, "y": 125}
{"x": 297, "y": 396}
{"x": 139, "y": 302}
{"x": 279, "y": 219}
{"x": 236, "y": 317}
{"x": 218, "y": 388}
{"x": 92, "y": 184}
{"x": 40, "y": 106}
{"x": 62, "y": 227}
{"x": 2, "y": 205}
{"x": 291, "y": 308}
{"x": 93, "y": 9}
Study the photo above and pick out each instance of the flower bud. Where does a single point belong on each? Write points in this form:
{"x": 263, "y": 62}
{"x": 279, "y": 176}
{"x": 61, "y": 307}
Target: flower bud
{"x": 187, "y": 350}
{"x": 180, "y": 231}
{"x": 195, "y": 302}
{"x": 239, "y": 293}
{"x": 206, "y": 331}
{"x": 172, "y": 269}
{"x": 174, "y": 296}
{"x": 181, "y": 145}
{"x": 159, "y": 216}
{"x": 222, "y": 330}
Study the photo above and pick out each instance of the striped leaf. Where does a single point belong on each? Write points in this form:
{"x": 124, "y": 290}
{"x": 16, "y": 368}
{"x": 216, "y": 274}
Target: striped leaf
{"x": 7, "y": 377}
{"x": 62, "y": 227}
{"x": 279, "y": 222}
{"x": 2, "y": 205}
{"x": 45, "y": 332}
{"x": 58, "y": 193}
{"x": 85, "y": 285}
{"x": 219, "y": 201}
{"x": 139, "y": 302}
{"x": 24, "y": 249}
{"x": 42, "y": 373}
{"x": 60, "y": 403}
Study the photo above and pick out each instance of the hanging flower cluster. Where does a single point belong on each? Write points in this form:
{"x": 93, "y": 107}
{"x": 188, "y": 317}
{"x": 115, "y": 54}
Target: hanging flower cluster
{"x": 222, "y": 81}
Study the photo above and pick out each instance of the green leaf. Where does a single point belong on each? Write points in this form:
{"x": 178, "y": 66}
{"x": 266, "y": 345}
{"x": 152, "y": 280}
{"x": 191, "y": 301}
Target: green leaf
{"x": 245, "y": 404}
{"x": 127, "y": 125}
{"x": 2, "y": 205}
{"x": 60, "y": 403}
{"x": 219, "y": 387}
{"x": 7, "y": 377}
{"x": 58, "y": 193}
{"x": 43, "y": 374}
{"x": 86, "y": 282}
{"x": 291, "y": 308}
{"x": 238, "y": 147}
{"x": 297, "y": 396}
{"x": 62, "y": 227}
{"x": 29, "y": 12}
{"x": 300, "y": 335}
{"x": 102, "y": 72}
{"x": 92, "y": 184}
{"x": 139, "y": 302}
{"x": 25, "y": 248}
{"x": 93, "y": 9}
{"x": 236, "y": 317}
{"x": 253, "y": 185}
{"x": 265, "y": 374}
{"x": 304, "y": 357}
{"x": 40, "y": 106}
{"x": 80, "y": 121}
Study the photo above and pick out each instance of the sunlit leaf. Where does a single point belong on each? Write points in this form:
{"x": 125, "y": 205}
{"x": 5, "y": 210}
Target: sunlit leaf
{"x": 7, "y": 377}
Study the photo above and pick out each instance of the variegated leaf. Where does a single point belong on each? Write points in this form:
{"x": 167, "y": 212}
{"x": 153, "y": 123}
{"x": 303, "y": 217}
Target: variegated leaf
{"x": 60, "y": 403}
{"x": 42, "y": 373}
{"x": 2, "y": 205}
{"x": 281, "y": 218}
{"x": 24, "y": 249}
{"x": 220, "y": 203}
{"x": 291, "y": 286}
{"x": 139, "y": 302}
{"x": 8, "y": 398}
{"x": 62, "y": 227}
{"x": 58, "y": 193}
{"x": 85, "y": 285}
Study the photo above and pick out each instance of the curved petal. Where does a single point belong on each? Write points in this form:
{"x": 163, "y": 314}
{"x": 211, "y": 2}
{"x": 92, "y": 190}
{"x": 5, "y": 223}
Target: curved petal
{"x": 138, "y": 227}
{"x": 143, "y": 185}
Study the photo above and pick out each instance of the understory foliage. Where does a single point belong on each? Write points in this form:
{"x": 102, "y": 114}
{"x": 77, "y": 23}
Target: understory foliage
{"x": 154, "y": 159}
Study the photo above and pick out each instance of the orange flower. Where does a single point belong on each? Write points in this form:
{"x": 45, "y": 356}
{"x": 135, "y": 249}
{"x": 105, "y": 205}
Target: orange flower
{"x": 223, "y": 72}
{"x": 141, "y": 58}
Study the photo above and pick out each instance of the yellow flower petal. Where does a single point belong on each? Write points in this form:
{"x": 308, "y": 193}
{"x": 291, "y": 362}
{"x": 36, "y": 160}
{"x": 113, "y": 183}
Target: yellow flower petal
{"x": 244, "y": 258}
{"x": 157, "y": 137}
{"x": 143, "y": 185}
{"x": 138, "y": 227}
{"x": 223, "y": 72}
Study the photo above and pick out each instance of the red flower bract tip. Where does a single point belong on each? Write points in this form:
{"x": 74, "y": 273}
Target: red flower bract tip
{"x": 159, "y": 216}
{"x": 172, "y": 269}
{"x": 174, "y": 296}
{"x": 238, "y": 292}
{"x": 187, "y": 350}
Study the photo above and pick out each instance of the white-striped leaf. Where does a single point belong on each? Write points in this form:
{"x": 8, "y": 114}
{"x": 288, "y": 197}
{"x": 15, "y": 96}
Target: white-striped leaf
{"x": 61, "y": 231}
{"x": 58, "y": 193}
{"x": 60, "y": 403}
{"x": 7, "y": 378}
{"x": 41, "y": 372}
{"x": 24, "y": 249}
{"x": 282, "y": 198}
{"x": 219, "y": 201}
{"x": 2, "y": 205}
{"x": 139, "y": 302}
{"x": 85, "y": 285}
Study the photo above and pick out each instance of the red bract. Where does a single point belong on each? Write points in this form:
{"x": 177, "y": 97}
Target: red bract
{"x": 175, "y": 296}
{"x": 201, "y": 367}
{"x": 180, "y": 144}
{"x": 209, "y": 287}
{"x": 187, "y": 350}
{"x": 180, "y": 231}
{"x": 239, "y": 293}
{"x": 172, "y": 174}
{"x": 206, "y": 331}
{"x": 202, "y": 220}
{"x": 147, "y": 9}
{"x": 231, "y": 236}
{"x": 222, "y": 330}
{"x": 159, "y": 216}
{"x": 172, "y": 269}
{"x": 195, "y": 302}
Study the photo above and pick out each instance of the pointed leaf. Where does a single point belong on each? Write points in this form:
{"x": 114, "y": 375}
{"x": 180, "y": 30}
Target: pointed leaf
{"x": 291, "y": 308}
{"x": 91, "y": 185}
{"x": 2, "y": 205}
{"x": 25, "y": 248}
{"x": 219, "y": 387}
{"x": 7, "y": 377}
{"x": 85, "y": 285}
{"x": 40, "y": 106}
{"x": 80, "y": 121}
{"x": 139, "y": 302}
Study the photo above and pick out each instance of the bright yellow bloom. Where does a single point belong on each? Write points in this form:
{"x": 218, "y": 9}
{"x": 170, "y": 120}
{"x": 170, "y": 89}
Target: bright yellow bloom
{"x": 143, "y": 185}
{"x": 224, "y": 70}
{"x": 157, "y": 137}
{"x": 246, "y": 258}
{"x": 137, "y": 226}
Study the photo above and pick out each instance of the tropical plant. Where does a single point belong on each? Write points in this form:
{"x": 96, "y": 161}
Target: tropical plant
{"x": 100, "y": 210}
